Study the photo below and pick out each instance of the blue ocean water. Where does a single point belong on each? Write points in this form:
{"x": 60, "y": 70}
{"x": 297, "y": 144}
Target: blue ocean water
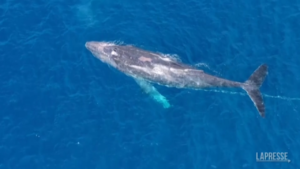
{"x": 63, "y": 108}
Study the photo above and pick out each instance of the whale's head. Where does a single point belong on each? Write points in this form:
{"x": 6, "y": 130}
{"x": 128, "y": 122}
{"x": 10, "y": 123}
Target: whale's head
{"x": 104, "y": 51}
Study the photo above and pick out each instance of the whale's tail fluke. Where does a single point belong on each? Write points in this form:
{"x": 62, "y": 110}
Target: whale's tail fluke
{"x": 252, "y": 85}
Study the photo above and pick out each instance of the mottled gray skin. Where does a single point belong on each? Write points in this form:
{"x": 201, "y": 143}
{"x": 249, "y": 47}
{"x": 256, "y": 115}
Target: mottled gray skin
{"x": 157, "y": 68}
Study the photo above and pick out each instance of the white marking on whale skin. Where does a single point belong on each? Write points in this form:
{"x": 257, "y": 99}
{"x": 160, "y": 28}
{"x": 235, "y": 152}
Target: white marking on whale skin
{"x": 145, "y": 59}
{"x": 194, "y": 70}
{"x": 114, "y": 53}
{"x": 108, "y": 44}
{"x": 158, "y": 69}
{"x": 178, "y": 71}
{"x": 166, "y": 59}
{"x": 158, "y": 72}
{"x": 169, "y": 57}
{"x": 163, "y": 72}
{"x": 139, "y": 68}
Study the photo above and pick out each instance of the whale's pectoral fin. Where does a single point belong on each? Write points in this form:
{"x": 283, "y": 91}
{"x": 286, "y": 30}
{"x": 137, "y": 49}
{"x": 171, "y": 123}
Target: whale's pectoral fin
{"x": 151, "y": 90}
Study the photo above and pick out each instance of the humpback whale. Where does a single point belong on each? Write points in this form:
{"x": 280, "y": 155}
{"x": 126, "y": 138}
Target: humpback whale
{"x": 149, "y": 67}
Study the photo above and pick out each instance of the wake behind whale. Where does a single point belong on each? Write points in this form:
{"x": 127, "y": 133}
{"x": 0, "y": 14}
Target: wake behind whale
{"x": 148, "y": 67}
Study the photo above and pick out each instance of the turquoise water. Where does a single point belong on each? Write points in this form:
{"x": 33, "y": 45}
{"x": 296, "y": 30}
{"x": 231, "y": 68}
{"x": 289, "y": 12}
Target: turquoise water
{"x": 63, "y": 108}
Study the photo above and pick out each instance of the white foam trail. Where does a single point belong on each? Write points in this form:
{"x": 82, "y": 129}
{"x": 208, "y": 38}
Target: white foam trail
{"x": 281, "y": 97}
{"x": 244, "y": 94}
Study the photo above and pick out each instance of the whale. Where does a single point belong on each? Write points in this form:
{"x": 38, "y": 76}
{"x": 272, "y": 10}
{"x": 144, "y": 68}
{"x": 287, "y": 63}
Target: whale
{"x": 148, "y": 68}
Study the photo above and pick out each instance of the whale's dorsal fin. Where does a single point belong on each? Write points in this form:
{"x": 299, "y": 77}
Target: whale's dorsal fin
{"x": 151, "y": 90}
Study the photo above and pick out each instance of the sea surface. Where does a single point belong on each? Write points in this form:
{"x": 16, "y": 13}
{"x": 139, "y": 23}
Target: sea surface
{"x": 61, "y": 108}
